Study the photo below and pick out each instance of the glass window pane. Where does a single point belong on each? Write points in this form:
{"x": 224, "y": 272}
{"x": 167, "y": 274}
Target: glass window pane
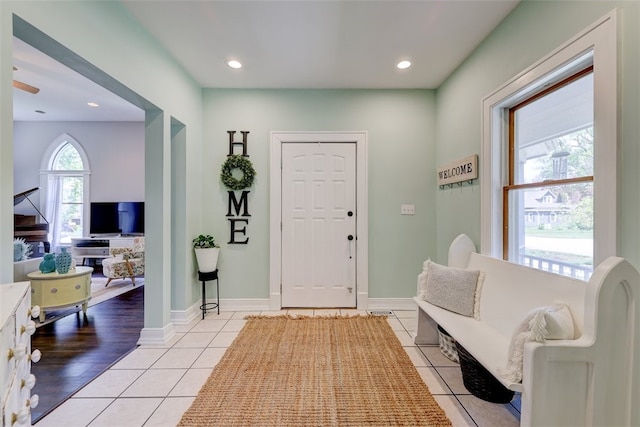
{"x": 554, "y": 134}
{"x": 551, "y": 228}
{"x": 72, "y": 190}
{"x": 71, "y": 224}
{"x": 67, "y": 158}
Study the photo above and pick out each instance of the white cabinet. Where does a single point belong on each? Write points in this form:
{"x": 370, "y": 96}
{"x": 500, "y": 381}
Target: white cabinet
{"x": 16, "y": 380}
{"x": 91, "y": 247}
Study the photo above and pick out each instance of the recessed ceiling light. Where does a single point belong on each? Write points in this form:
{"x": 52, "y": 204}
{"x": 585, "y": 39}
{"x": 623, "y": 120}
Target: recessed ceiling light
{"x": 92, "y": 104}
{"x": 403, "y": 65}
{"x": 234, "y": 64}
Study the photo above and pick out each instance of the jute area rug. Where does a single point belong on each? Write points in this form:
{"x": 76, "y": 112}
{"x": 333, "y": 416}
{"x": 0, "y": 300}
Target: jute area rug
{"x": 315, "y": 371}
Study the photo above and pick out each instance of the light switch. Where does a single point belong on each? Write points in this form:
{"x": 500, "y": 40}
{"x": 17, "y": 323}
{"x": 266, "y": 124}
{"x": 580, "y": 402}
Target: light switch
{"x": 407, "y": 209}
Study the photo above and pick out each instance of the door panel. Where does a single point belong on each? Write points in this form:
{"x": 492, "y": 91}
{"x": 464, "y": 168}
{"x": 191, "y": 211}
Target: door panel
{"x": 318, "y": 191}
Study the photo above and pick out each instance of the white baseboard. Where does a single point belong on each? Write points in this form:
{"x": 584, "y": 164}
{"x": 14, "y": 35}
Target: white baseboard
{"x": 247, "y": 304}
{"x": 391, "y": 304}
{"x": 158, "y": 337}
{"x": 184, "y": 317}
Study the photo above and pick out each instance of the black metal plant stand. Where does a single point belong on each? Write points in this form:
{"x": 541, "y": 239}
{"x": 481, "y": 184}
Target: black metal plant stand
{"x": 204, "y": 277}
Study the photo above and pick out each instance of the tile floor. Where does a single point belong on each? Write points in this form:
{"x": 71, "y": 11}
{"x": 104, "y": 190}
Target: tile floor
{"x": 153, "y": 386}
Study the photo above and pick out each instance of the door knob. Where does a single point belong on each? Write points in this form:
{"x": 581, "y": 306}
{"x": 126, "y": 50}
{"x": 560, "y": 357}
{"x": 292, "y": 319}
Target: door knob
{"x": 350, "y": 213}
{"x": 350, "y": 237}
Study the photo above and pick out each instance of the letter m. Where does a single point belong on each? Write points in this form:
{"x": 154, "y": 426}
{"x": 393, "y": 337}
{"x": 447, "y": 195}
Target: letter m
{"x": 237, "y": 205}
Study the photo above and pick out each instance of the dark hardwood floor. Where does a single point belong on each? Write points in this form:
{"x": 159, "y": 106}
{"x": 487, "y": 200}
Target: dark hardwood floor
{"x": 76, "y": 349}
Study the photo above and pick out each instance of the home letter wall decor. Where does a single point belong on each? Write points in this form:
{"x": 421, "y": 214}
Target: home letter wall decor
{"x": 238, "y": 208}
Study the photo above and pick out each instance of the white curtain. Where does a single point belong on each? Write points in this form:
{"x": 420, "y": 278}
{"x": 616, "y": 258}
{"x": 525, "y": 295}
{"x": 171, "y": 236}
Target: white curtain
{"x": 54, "y": 197}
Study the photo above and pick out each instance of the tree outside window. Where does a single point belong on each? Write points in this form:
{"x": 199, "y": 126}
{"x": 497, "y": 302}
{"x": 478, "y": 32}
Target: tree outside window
{"x": 68, "y": 191}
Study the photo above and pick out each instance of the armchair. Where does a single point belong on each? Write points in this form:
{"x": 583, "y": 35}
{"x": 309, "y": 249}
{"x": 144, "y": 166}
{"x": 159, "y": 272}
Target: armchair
{"x": 125, "y": 262}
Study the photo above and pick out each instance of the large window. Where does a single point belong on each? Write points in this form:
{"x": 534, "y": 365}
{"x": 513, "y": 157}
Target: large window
{"x": 549, "y": 158}
{"x": 548, "y": 201}
{"x": 66, "y": 178}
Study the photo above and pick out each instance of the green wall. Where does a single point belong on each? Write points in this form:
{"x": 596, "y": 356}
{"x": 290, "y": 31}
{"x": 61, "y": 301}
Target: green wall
{"x": 530, "y": 32}
{"x": 410, "y": 132}
{"x": 114, "y": 50}
{"x": 401, "y": 142}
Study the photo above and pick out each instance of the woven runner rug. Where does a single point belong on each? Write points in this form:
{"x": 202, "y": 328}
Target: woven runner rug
{"x": 315, "y": 371}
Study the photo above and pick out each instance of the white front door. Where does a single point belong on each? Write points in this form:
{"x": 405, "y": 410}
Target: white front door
{"x": 319, "y": 225}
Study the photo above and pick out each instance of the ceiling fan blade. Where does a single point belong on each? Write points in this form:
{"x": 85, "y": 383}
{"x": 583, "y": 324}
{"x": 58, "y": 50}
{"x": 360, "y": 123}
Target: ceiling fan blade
{"x": 25, "y": 87}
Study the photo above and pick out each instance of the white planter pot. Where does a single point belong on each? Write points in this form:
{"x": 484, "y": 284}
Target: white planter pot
{"x": 207, "y": 259}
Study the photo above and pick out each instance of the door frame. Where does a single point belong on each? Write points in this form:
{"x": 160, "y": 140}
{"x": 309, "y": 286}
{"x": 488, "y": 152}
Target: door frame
{"x": 275, "y": 209}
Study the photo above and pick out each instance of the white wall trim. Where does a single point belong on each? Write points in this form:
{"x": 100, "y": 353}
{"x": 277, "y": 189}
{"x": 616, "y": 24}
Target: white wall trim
{"x": 403, "y": 304}
{"x": 185, "y": 317}
{"x": 275, "y": 212}
{"x": 600, "y": 38}
{"x": 158, "y": 337}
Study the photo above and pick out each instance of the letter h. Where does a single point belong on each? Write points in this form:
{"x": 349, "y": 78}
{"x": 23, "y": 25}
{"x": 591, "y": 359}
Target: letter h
{"x": 233, "y": 143}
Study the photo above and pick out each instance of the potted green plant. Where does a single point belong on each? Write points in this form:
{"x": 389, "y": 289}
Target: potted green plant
{"x": 207, "y": 252}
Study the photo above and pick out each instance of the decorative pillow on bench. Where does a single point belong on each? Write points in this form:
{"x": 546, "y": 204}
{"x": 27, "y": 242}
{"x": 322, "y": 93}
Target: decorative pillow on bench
{"x": 543, "y": 323}
{"x": 453, "y": 289}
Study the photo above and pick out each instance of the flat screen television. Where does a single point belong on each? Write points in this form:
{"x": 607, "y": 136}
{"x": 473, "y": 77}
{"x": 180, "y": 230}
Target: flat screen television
{"x": 116, "y": 218}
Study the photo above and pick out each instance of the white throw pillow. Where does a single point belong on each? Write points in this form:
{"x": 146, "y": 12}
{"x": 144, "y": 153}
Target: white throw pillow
{"x": 422, "y": 281}
{"x": 453, "y": 289}
{"x": 544, "y": 323}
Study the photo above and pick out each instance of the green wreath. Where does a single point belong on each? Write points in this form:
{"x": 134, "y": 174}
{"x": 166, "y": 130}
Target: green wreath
{"x": 237, "y": 161}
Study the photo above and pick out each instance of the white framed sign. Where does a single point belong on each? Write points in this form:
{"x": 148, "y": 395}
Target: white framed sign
{"x": 461, "y": 170}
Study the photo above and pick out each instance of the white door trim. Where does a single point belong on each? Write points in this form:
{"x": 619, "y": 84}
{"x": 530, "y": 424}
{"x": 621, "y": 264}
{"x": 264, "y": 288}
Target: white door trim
{"x": 275, "y": 213}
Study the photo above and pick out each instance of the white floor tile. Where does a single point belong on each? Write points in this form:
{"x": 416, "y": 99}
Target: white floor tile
{"x": 191, "y": 383}
{"x": 453, "y": 377}
{"x": 395, "y": 324}
{"x": 234, "y": 325}
{"x": 195, "y": 339}
{"x": 111, "y": 383}
{"x": 240, "y": 315}
{"x": 433, "y": 381}
{"x": 209, "y": 325}
{"x": 406, "y": 340}
{"x": 127, "y": 413}
{"x": 178, "y": 358}
{"x": 409, "y": 324}
{"x": 169, "y": 412}
{"x": 75, "y": 413}
{"x": 155, "y": 383}
{"x": 406, "y": 314}
{"x": 225, "y": 315}
{"x": 436, "y": 357}
{"x": 417, "y": 357}
{"x": 223, "y": 339}
{"x": 140, "y": 358}
{"x": 487, "y": 414}
{"x": 455, "y": 411}
{"x": 209, "y": 358}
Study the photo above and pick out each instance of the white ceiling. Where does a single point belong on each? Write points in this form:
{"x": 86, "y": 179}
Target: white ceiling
{"x": 282, "y": 44}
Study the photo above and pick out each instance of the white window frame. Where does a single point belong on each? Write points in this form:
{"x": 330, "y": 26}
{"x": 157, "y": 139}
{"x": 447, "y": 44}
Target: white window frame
{"x": 46, "y": 171}
{"x": 598, "y": 44}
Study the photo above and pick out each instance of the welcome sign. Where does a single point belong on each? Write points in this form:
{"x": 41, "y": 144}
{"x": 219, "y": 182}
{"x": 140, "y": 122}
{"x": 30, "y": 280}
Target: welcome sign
{"x": 461, "y": 170}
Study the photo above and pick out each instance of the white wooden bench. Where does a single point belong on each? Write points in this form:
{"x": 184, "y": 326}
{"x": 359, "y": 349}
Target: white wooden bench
{"x": 592, "y": 380}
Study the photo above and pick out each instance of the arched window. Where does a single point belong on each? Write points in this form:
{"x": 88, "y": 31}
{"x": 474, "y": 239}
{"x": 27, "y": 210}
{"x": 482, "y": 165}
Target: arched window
{"x": 65, "y": 179}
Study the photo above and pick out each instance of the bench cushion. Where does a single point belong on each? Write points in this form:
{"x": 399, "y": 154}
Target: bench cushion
{"x": 453, "y": 289}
